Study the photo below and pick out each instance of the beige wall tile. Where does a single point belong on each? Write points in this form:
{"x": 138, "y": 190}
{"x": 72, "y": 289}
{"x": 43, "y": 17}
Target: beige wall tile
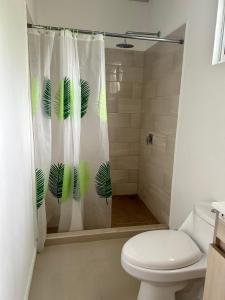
{"x": 154, "y": 175}
{"x": 161, "y": 67}
{"x": 177, "y": 60}
{"x": 138, "y": 57}
{"x": 123, "y": 135}
{"x": 124, "y": 189}
{"x": 150, "y": 89}
{"x": 167, "y": 182}
{"x": 147, "y": 121}
{"x": 118, "y": 120}
{"x": 111, "y": 77}
{"x": 134, "y": 149}
{"x": 135, "y": 120}
{"x": 170, "y": 144}
{"x": 137, "y": 89}
{"x": 169, "y": 86}
{"x": 133, "y": 74}
{"x": 119, "y": 57}
{"x": 113, "y": 69}
{"x": 112, "y": 104}
{"x": 119, "y": 149}
{"x": 126, "y": 105}
{"x": 165, "y": 124}
{"x": 159, "y": 142}
{"x": 164, "y": 105}
{"x": 126, "y": 163}
{"x": 133, "y": 176}
{"x": 123, "y": 149}
{"x": 120, "y": 176}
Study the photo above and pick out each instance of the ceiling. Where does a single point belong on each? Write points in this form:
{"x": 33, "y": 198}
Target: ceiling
{"x": 140, "y": 0}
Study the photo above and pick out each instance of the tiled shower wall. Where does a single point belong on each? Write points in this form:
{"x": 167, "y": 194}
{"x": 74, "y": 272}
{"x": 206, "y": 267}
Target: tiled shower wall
{"x": 142, "y": 95}
{"x": 124, "y": 75}
{"x": 161, "y": 89}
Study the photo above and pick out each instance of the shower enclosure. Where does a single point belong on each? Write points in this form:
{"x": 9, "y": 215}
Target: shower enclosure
{"x": 143, "y": 89}
{"x": 77, "y": 141}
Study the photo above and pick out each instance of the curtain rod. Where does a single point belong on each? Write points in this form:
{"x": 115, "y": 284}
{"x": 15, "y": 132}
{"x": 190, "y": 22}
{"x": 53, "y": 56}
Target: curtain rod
{"x": 110, "y": 34}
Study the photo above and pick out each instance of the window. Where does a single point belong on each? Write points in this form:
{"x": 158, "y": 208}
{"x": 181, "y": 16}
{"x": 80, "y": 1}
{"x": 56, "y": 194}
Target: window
{"x": 219, "y": 44}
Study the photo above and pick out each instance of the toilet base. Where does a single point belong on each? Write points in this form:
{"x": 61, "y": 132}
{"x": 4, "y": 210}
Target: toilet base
{"x": 154, "y": 291}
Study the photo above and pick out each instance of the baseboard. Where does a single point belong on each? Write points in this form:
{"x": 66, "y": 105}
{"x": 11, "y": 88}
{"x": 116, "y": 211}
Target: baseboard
{"x": 30, "y": 275}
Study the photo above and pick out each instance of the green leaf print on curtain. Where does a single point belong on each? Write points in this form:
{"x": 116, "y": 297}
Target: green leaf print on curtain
{"x": 46, "y": 97}
{"x": 103, "y": 181}
{"x": 60, "y": 181}
{"x": 84, "y": 176}
{"x": 40, "y": 187}
{"x": 85, "y": 94}
{"x": 103, "y": 104}
{"x": 76, "y": 184}
{"x": 64, "y": 104}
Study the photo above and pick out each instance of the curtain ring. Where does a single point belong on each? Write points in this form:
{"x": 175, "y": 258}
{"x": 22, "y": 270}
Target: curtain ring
{"x": 49, "y": 29}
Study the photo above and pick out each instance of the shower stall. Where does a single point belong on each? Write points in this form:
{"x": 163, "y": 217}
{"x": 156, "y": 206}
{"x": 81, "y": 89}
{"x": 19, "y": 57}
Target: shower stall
{"x": 143, "y": 90}
{"x": 104, "y": 124}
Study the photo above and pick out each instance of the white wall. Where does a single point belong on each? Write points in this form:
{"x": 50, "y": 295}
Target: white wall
{"x": 106, "y": 15}
{"x": 17, "y": 248}
{"x": 199, "y": 169}
{"x": 31, "y": 10}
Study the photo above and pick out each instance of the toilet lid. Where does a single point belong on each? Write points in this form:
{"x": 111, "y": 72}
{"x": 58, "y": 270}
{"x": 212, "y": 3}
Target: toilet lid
{"x": 161, "y": 250}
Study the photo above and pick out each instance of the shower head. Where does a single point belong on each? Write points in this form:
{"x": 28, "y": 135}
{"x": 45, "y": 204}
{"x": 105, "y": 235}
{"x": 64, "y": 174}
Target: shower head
{"x": 125, "y": 45}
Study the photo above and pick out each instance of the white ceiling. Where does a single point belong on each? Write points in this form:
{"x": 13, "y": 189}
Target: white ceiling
{"x": 140, "y": 0}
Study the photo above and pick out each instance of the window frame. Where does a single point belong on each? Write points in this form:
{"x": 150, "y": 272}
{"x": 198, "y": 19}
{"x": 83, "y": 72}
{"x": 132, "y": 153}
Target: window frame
{"x": 219, "y": 42}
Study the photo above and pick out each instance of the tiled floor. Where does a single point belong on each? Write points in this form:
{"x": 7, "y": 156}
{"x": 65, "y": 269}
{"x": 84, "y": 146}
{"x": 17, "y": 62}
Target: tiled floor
{"x": 82, "y": 271}
{"x": 130, "y": 211}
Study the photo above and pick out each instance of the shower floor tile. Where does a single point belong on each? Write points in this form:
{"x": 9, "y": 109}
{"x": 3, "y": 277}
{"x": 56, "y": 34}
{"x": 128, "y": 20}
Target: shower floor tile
{"x": 130, "y": 210}
{"x": 82, "y": 271}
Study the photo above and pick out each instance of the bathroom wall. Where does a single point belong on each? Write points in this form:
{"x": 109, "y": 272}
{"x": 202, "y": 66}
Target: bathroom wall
{"x": 199, "y": 165}
{"x": 105, "y": 15}
{"x": 161, "y": 89}
{"x": 31, "y": 10}
{"x": 124, "y": 74}
{"x": 17, "y": 250}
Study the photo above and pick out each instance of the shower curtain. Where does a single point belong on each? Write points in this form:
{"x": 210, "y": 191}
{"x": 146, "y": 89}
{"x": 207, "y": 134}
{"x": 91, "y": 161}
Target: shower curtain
{"x": 68, "y": 97}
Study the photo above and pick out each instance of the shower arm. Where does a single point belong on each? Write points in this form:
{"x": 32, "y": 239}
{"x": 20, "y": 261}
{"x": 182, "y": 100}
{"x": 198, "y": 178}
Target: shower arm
{"x": 110, "y": 34}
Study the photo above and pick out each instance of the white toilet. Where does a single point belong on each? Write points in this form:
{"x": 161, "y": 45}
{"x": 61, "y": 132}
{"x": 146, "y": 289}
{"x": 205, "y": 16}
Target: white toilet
{"x": 166, "y": 260}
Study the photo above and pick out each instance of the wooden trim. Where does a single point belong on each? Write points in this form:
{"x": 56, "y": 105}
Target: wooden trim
{"x": 99, "y": 234}
{"x": 214, "y": 283}
{"x": 220, "y": 230}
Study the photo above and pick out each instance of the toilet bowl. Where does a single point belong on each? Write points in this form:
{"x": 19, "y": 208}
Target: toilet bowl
{"x": 166, "y": 260}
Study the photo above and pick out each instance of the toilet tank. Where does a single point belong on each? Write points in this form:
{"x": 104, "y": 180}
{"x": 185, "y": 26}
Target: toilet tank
{"x": 200, "y": 224}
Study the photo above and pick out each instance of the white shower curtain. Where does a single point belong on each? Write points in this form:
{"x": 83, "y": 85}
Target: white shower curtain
{"x": 68, "y": 95}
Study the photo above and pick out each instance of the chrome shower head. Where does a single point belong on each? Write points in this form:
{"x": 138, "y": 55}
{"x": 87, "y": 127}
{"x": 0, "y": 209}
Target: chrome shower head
{"x": 125, "y": 45}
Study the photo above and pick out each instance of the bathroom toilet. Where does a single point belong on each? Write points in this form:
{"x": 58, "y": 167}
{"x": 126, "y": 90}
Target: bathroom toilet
{"x": 166, "y": 260}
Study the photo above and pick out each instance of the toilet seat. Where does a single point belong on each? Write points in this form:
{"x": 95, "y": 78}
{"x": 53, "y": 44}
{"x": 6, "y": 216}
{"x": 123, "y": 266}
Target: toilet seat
{"x": 196, "y": 270}
{"x": 161, "y": 250}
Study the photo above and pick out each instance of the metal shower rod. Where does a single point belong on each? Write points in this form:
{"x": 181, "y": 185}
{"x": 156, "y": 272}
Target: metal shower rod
{"x": 133, "y": 36}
